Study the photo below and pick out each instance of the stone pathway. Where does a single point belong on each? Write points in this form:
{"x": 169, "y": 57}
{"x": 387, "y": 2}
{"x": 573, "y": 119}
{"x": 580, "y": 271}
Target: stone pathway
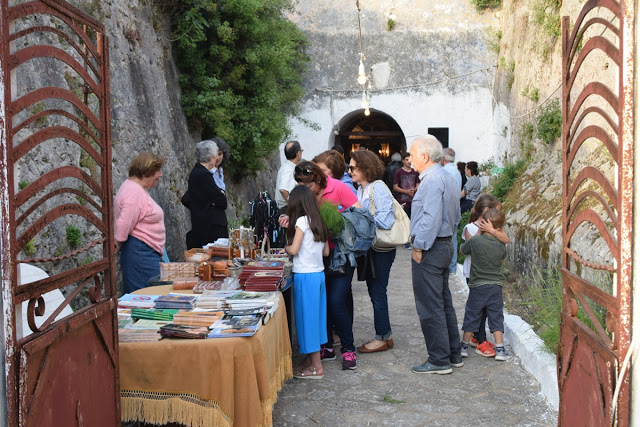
{"x": 384, "y": 391}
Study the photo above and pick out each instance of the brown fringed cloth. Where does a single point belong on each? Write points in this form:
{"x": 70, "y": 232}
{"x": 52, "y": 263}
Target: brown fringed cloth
{"x": 206, "y": 382}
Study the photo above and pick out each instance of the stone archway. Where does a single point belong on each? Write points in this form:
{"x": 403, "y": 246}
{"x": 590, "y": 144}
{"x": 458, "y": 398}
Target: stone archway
{"x": 378, "y": 132}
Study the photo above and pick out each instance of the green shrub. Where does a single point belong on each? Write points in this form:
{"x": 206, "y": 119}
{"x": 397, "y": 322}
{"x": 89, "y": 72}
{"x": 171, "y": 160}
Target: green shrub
{"x": 23, "y": 184}
{"x": 494, "y": 41}
{"x": 391, "y": 24}
{"x": 501, "y": 184}
{"x": 332, "y": 218}
{"x": 74, "y": 237}
{"x": 487, "y": 166}
{"x": 527, "y": 130}
{"x": 464, "y": 220}
{"x": 533, "y": 93}
{"x": 486, "y": 4}
{"x": 29, "y": 249}
{"x": 550, "y": 122}
{"x": 546, "y": 15}
{"x": 240, "y": 70}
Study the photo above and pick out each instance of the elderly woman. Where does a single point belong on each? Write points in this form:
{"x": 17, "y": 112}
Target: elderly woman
{"x": 472, "y": 187}
{"x": 206, "y": 201}
{"x": 139, "y": 225}
{"x": 339, "y": 296}
{"x": 332, "y": 164}
{"x": 221, "y": 159}
{"x": 365, "y": 168}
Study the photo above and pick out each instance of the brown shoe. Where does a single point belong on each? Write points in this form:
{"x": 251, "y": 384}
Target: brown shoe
{"x": 364, "y": 349}
{"x": 390, "y": 343}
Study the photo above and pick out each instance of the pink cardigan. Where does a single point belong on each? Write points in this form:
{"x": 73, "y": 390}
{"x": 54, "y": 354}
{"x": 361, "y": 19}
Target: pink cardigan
{"x": 138, "y": 215}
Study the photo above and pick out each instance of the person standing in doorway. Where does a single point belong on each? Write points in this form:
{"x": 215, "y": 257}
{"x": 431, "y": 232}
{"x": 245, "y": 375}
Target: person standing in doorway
{"x": 448, "y": 159}
{"x": 285, "y": 180}
{"x": 405, "y": 184}
{"x": 391, "y": 169}
{"x": 436, "y": 211}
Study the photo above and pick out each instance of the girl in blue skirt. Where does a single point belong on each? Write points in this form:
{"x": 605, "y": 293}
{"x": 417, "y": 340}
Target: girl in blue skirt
{"x": 308, "y": 235}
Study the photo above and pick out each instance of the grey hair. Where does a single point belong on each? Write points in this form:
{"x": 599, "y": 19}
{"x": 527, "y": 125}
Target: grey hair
{"x": 205, "y": 150}
{"x": 396, "y": 157}
{"x": 449, "y": 155}
{"x": 430, "y": 146}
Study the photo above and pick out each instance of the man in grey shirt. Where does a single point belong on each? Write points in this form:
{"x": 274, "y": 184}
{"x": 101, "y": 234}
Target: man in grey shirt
{"x": 435, "y": 213}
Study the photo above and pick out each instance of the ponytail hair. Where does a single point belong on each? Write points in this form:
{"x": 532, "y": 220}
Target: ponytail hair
{"x": 302, "y": 202}
{"x": 483, "y": 202}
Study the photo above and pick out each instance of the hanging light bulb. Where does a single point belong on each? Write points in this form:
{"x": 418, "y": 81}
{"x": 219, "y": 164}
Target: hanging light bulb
{"x": 362, "y": 77}
{"x": 367, "y": 112}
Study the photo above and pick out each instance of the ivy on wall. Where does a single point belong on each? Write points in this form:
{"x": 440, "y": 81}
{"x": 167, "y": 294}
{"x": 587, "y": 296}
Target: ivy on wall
{"x": 241, "y": 64}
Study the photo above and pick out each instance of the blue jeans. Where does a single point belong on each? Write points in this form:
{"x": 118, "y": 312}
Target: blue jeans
{"x": 378, "y": 292}
{"x": 434, "y": 304}
{"x": 340, "y": 310}
{"x": 139, "y": 264}
{"x": 454, "y": 260}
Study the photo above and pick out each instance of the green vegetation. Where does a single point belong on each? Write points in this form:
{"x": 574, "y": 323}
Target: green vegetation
{"x": 241, "y": 65}
{"x": 510, "y": 69}
{"x": 389, "y": 399}
{"x": 74, "y": 237}
{"x": 533, "y": 93}
{"x": 550, "y": 122}
{"x": 527, "y": 130}
{"x": 391, "y": 24}
{"x": 464, "y": 220}
{"x": 501, "y": 184}
{"x": 546, "y": 15}
{"x": 23, "y": 184}
{"x": 87, "y": 260}
{"x": 487, "y": 166}
{"x": 332, "y": 218}
{"x": 482, "y": 5}
{"x": 494, "y": 41}
{"x": 30, "y": 248}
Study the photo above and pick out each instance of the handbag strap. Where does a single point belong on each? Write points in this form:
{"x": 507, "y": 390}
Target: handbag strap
{"x": 372, "y": 205}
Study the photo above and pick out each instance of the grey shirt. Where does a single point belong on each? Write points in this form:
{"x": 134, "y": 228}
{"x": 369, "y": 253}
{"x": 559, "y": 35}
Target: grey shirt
{"x": 435, "y": 209}
{"x": 473, "y": 186}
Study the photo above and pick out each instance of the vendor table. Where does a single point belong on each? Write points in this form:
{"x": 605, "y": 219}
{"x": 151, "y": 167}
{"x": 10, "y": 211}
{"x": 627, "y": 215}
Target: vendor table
{"x": 206, "y": 382}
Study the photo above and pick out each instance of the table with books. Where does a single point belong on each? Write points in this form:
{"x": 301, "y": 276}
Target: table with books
{"x": 204, "y": 382}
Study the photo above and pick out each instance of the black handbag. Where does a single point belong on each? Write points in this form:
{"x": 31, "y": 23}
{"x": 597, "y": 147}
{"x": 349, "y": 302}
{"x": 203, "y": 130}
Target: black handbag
{"x": 366, "y": 266}
{"x": 329, "y": 271}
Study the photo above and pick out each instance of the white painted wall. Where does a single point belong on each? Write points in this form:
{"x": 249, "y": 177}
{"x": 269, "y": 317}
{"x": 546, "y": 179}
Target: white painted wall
{"x": 476, "y": 130}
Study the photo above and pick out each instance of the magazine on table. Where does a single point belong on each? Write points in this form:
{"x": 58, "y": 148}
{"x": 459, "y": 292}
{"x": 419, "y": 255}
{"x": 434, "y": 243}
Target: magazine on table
{"x": 126, "y": 335}
{"x": 236, "y": 326}
{"x": 137, "y": 301}
{"x": 183, "y": 331}
{"x": 147, "y": 324}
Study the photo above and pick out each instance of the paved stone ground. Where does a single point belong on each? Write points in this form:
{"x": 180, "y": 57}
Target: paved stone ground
{"x": 384, "y": 391}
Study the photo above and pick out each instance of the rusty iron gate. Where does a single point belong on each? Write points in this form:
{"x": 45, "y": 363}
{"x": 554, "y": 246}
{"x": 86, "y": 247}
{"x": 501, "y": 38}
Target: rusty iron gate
{"x": 597, "y": 135}
{"x": 55, "y": 185}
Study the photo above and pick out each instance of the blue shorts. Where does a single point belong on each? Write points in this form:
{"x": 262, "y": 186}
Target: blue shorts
{"x": 310, "y": 308}
{"x": 483, "y": 297}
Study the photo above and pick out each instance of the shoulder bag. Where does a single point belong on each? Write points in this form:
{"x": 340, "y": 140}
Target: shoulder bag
{"x": 398, "y": 234}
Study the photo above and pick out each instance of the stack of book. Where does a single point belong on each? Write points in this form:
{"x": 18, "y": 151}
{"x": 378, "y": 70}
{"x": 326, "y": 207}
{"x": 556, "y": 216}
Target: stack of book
{"x": 215, "y": 300}
{"x": 153, "y": 314}
{"x": 197, "y": 318}
{"x": 236, "y": 326}
{"x": 176, "y": 301}
{"x": 137, "y": 301}
{"x": 262, "y": 275}
{"x": 182, "y": 331}
{"x": 243, "y": 300}
{"x": 147, "y": 324}
{"x": 127, "y": 335}
{"x": 214, "y": 285}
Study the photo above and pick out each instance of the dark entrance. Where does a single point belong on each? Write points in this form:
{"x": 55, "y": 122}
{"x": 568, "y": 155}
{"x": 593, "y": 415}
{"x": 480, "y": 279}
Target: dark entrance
{"x": 377, "y": 132}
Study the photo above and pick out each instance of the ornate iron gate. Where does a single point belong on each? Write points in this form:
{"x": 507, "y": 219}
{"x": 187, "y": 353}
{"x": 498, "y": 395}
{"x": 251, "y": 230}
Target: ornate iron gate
{"x": 598, "y": 79}
{"x": 55, "y": 183}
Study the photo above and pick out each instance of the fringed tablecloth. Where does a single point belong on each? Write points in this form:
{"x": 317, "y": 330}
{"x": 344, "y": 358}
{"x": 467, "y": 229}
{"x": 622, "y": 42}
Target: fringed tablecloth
{"x": 210, "y": 382}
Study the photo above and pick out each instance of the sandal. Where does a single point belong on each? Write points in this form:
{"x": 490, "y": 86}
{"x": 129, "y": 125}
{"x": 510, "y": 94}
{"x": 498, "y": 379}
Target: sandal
{"x": 309, "y": 374}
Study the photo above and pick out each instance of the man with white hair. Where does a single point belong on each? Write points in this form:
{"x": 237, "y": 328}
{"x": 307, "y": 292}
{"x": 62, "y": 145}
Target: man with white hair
{"x": 436, "y": 211}
{"x": 448, "y": 164}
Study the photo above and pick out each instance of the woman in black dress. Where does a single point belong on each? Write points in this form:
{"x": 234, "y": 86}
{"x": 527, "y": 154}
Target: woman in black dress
{"x": 206, "y": 201}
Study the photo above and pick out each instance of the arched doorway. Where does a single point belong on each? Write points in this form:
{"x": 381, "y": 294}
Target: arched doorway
{"x": 377, "y": 132}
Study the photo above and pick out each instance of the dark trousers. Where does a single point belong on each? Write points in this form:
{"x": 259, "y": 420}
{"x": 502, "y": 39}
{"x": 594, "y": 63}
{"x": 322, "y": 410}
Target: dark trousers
{"x": 434, "y": 304}
{"x": 481, "y": 335}
{"x": 340, "y": 310}
{"x": 378, "y": 292}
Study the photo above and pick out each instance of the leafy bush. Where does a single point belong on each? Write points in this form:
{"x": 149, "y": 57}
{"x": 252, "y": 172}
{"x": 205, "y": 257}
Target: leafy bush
{"x": 487, "y": 165}
{"x": 527, "y": 131}
{"x": 241, "y": 65}
{"x": 550, "y": 122}
{"x": 494, "y": 41}
{"x": 74, "y": 237}
{"x": 486, "y": 4}
{"x": 391, "y": 24}
{"x": 464, "y": 220}
{"x": 29, "y": 249}
{"x": 546, "y": 15}
{"x": 23, "y": 184}
{"x": 332, "y": 218}
{"x": 502, "y": 184}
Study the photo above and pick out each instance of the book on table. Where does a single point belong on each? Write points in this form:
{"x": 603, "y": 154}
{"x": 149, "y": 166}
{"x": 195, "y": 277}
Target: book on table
{"x": 176, "y": 301}
{"x": 147, "y": 324}
{"x": 236, "y": 326}
{"x": 153, "y": 314}
{"x": 173, "y": 330}
{"x": 197, "y": 318}
{"x": 137, "y": 301}
{"x": 126, "y": 335}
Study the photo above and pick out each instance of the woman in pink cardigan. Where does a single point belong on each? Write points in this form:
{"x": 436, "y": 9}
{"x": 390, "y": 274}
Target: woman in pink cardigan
{"x": 139, "y": 227}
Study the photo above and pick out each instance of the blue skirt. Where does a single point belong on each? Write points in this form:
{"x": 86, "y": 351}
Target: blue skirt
{"x": 310, "y": 306}
{"x": 139, "y": 264}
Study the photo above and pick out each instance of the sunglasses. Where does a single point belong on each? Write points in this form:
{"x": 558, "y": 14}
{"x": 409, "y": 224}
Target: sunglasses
{"x": 304, "y": 172}
{"x": 351, "y": 168}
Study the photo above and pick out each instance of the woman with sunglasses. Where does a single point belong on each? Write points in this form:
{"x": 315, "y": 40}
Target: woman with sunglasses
{"x": 339, "y": 297}
{"x": 366, "y": 168}
{"x": 332, "y": 164}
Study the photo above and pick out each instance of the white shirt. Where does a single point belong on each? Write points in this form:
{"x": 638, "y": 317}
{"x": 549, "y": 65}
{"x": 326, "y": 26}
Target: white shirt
{"x": 472, "y": 228}
{"x": 309, "y": 257}
{"x": 285, "y": 181}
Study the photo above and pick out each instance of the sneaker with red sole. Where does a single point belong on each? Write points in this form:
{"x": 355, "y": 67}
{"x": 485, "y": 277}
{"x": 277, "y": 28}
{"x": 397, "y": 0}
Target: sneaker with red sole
{"x": 473, "y": 342}
{"x": 485, "y": 349}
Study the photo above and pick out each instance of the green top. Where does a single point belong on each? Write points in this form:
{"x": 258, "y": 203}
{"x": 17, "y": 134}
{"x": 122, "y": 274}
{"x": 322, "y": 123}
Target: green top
{"x": 487, "y": 254}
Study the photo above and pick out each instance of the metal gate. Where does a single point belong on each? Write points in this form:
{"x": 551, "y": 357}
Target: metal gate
{"x": 55, "y": 184}
{"x": 598, "y": 79}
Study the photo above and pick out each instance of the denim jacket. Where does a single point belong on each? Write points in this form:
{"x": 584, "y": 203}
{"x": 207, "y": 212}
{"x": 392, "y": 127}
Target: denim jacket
{"x": 356, "y": 238}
